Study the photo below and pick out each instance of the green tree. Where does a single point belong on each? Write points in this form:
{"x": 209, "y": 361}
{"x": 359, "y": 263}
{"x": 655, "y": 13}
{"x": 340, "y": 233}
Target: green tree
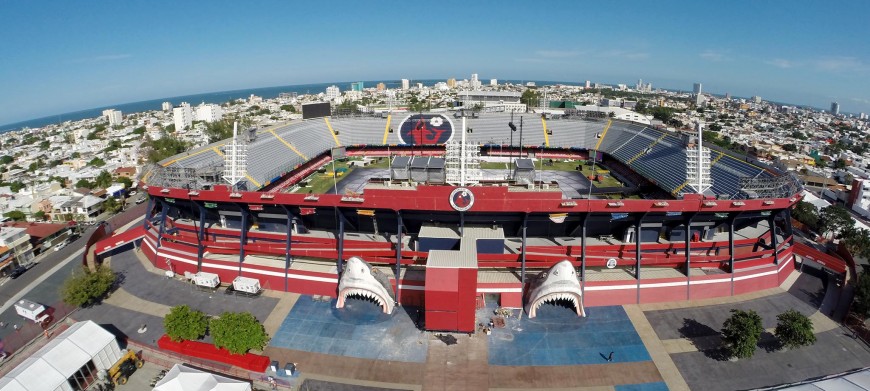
{"x": 834, "y": 219}
{"x": 238, "y": 332}
{"x": 289, "y": 108}
{"x": 16, "y": 186}
{"x": 103, "y": 179}
{"x": 163, "y": 148}
{"x": 219, "y": 130}
{"x": 857, "y": 241}
{"x": 740, "y": 333}
{"x": 112, "y": 205}
{"x": 183, "y": 323}
{"x": 861, "y": 303}
{"x": 839, "y": 164}
{"x": 85, "y": 183}
{"x": 97, "y": 162}
{"x": 530, "y": 98}
{"x": 806, "y": 213}
{"x": 75, "y": 155}
{"x": 794, "y": 329}
{"x": 140, "y": 130}
{"x": 39, "y": 215}
{"x": 84, "y": 289}
{"x": 15, "y": 215}
{"x": 789, "y": 147}
{"x": 6, "y": 159}
{"x": 44, "y": 145}
{"x": 127, "y": 182}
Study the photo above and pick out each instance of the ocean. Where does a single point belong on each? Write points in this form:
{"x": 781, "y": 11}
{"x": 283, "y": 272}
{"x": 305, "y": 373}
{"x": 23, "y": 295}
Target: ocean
{"x": 224, "y": 96}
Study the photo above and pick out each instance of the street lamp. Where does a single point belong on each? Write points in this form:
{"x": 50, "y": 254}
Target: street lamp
{"x": 513, "y": 129}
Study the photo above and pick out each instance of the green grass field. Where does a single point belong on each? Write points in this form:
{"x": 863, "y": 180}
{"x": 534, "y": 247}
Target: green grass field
{"x": 320, "y": 183}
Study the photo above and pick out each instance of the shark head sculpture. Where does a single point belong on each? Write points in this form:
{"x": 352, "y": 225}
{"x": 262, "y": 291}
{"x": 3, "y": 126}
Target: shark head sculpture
{"x": 360, "y": 280}
{"x": 557, "y": 283}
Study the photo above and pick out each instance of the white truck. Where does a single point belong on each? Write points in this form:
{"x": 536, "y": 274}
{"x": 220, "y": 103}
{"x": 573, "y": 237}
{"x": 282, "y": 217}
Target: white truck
{"x": 206, "y": 280}
{"x": 32, "y": 310}
{"x": 246, "y": 285}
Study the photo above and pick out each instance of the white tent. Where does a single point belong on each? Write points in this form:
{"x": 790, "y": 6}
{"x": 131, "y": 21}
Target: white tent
{"x": 60, "y": 359}
{"x": 182, "y": 378}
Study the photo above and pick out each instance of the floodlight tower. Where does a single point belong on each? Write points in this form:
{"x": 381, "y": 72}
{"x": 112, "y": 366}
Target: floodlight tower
{"x": 235, "y": 158}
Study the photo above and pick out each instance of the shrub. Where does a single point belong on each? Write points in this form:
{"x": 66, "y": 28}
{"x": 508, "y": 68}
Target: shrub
{"x": 794, "y": 329}
{"x": 238, "y": 332}
{"x": 740, "y": 333}
{"x": 183, "y": 323}
{"x": 82, "y": 290}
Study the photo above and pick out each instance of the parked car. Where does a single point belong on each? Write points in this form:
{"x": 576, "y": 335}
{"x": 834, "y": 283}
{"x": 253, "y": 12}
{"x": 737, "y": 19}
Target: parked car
{"x": 140, "y": 200}
{"x": 17, "y": 272}
{"x": 132, "y": 193}
{"x": 60, "y": 246}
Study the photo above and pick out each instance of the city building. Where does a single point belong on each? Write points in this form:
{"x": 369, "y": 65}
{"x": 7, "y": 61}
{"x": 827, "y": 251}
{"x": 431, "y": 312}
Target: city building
{"x": 588, "y": 84}
{"x": 493, "y": 82}
{"x": 182, "y": 116}
{"x": 357, "y": 86}
{"x": 508, "y": 100}
{"x": 406, "y": 84}
{"x": 17, "y": 241}
{"x": 451, "y": 82}
{"x": 114, "y": 116}
{"x": 166, "y": 106}
{"x": 697, "y": 89}
{"x": 475, "y": 83}
{"x": 209, "y": 112}
{"x": 381, "y": 87}
{"x": 332, "y": 92}
{"x": 835, "y": 108}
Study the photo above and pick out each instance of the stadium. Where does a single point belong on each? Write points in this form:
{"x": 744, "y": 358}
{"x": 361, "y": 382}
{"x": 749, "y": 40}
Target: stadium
{"x": 446, "y": 211}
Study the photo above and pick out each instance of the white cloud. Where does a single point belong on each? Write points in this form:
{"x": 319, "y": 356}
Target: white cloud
{"x": 629, "y": 55}
{"x": 840, "y": 63}
{"x": 864, "y": 101}
{"x": 715, "y": 55}
{"x": 557, "y": 53}
{"x": 780, "y": 63}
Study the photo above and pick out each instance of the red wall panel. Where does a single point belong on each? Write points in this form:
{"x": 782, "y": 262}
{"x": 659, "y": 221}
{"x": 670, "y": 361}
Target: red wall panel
{"x": 440, "y": 320}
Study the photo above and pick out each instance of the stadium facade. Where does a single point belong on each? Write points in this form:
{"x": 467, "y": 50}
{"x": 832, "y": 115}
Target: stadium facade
{"x": 447, "y": 248}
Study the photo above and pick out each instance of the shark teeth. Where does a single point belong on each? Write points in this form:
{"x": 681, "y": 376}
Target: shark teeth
{"x": 556, "y": 297}
{"x": 364, "y": 294}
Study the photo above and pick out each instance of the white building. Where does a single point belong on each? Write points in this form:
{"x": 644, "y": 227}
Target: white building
{"x": 114, "y": 116}
{"x": 18, "y": 241}
{"x": 493, "y": 82}
{"x": 332, "y": 92}
{"x": 475, "y": 83}
{"x": 406, "y": 84}
{"x": 70, "y": 361}
{"x": 167, "y": 106}
{"x": 209, "y": 112}
{"x": 182, "y": 116}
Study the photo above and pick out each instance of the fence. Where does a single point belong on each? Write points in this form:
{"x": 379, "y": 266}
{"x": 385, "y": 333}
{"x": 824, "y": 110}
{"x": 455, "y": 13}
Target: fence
{"x": 168, "y": 359}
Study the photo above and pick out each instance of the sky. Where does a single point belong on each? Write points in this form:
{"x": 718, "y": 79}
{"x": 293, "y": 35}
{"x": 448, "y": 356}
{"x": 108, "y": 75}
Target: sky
{"x": 63, "y": 56}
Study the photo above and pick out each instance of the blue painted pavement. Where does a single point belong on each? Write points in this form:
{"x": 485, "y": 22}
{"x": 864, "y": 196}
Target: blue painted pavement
{"x": 359, "y": 330}
{"x": 557, "y": 336}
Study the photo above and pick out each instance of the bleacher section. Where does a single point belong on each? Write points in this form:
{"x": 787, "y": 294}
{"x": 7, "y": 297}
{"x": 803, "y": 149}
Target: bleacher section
{"x": 657, "y": 155}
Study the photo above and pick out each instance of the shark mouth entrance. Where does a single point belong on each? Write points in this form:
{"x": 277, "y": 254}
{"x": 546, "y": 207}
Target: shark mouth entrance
{"x": 359, "y": 280}
{"x": 558, "y": 285}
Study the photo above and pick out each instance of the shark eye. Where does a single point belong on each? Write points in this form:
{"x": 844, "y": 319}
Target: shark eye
{"x": 556, "y": 272}
{"x": 362, "y": 270}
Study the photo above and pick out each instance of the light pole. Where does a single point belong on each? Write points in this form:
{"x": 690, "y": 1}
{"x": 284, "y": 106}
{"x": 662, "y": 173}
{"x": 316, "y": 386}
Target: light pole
{"x": 513, "y": 129}
{"x": 334, "y": 181}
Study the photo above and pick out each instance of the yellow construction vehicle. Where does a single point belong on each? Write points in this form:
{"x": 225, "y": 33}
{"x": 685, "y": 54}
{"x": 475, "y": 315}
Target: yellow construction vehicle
{"x": 125, "y": 367}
